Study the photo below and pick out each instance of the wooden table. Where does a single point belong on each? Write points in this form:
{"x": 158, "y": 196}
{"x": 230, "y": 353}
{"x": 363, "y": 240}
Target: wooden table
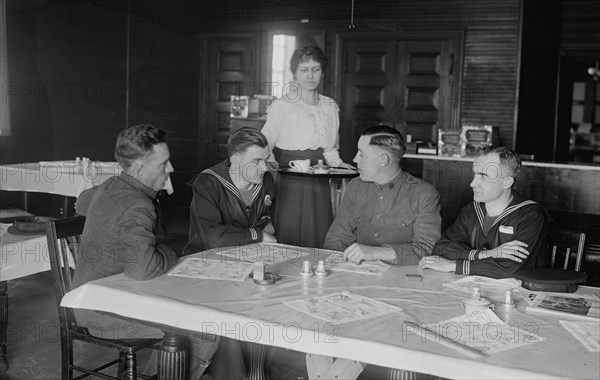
{"x": 257, "y": 314}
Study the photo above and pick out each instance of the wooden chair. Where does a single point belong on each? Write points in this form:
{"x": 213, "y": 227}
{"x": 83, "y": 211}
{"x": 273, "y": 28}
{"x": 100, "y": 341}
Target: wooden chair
{"x": 63, "y": 238}
{"x": 564, "y": 243}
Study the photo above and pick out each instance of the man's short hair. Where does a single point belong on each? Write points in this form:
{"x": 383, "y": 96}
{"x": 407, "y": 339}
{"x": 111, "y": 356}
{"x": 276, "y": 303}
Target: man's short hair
{"x": 308, "y": 53}
{"x": 245, "y": 137}
{"x": 509, "y": 160}
{"x": 386, "y": 138}
{"x": 137, "y": 142}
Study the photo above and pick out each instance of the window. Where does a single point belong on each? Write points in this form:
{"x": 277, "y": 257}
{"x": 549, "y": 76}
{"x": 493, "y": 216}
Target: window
{"x": 283, "y": 48}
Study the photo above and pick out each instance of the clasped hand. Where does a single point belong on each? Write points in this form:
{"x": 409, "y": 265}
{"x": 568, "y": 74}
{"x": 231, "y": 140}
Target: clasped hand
{"x": 356, "y": 253}
{"x": 513, "y": 250}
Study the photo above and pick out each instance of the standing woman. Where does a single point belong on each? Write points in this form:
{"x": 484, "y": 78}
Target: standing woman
{"x": 304, "y": 124}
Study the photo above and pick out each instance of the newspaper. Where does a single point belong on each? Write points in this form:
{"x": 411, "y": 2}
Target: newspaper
{"x": 202, "y": 268}
{"x": 484, "y": 331}
{"x": 342, "y": 307}
{"x": 268, "y": 253}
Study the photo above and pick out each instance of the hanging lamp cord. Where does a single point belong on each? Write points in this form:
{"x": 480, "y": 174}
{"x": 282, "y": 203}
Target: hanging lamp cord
{"x": 351, "y": 26}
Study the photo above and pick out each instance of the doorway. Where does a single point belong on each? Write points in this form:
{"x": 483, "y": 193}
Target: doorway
{"x": 577, "y": 137}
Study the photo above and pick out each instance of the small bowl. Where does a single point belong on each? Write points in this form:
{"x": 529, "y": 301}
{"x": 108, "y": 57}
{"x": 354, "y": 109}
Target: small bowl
{"x": 270, "y": 279}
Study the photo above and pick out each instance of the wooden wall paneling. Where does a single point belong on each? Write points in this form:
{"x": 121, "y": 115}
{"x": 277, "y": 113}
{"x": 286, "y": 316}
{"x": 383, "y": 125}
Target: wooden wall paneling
{"x": 164, "y": 90}
{"x": 580, "y": 27}
{"x": 489, "y": 78}
{"x": 81, "y": 60}
{"x": 230, "y": 68}
{"x": 537, "y": 86}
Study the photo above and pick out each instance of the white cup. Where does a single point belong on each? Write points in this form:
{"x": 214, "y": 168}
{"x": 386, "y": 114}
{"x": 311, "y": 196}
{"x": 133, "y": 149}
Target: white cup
{"x": 300, "y": 165}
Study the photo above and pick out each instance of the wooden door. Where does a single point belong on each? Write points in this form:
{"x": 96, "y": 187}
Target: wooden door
{"x": 369, "y": 72}
{"x": 409, "y": 84}
{"x": 426, "y": 96}
{"x": 229, "y": 69}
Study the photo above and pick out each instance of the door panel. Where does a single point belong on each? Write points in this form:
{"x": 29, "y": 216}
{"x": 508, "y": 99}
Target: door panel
{"x": 403, "y": 83}
{"x": 368, "y": 90}
{"x": 231, "y": 70}
{"x": 423, "y": 78}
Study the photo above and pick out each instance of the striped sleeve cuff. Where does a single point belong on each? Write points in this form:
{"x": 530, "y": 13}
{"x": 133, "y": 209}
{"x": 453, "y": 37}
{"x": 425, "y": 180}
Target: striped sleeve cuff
{"x": 253, "y": 234}
{"x": 474, "y": 254}
{"x": 463, "y": 267}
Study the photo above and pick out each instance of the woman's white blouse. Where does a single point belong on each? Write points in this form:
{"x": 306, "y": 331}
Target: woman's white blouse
{"x": 294, "y": 125}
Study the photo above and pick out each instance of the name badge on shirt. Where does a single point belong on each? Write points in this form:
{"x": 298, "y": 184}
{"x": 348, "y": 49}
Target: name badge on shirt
{"x": 507, "y": 230}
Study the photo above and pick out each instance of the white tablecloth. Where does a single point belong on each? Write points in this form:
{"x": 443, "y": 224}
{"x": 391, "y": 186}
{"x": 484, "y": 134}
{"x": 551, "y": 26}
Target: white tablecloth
{"x": 66, "y": 178}
{"x": 22, "y": 255}
{"x": 249, "y": 312}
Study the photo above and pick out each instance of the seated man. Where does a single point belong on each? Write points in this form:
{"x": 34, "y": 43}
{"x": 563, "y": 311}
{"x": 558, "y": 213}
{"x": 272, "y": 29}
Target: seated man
{"x": 119, "y": 236}
{"x": 499, "y": 232}
{"x": 231, "y": 200}
{"x": 386, "y": 214}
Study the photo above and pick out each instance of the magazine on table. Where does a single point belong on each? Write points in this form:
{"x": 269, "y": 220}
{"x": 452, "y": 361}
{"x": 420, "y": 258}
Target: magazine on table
{"x": 564, "y": 305}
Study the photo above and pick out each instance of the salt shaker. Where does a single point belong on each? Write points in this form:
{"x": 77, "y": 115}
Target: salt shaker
{"x": 306, "y": 269}
{"x": 508, "y": 300}
{"x": 321, "y": 272}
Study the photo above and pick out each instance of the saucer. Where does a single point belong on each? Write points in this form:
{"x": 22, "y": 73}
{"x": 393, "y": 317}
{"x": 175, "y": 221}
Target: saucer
{"x": 269, "y": 279}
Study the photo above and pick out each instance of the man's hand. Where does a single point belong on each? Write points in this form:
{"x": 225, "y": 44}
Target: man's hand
{"x": 514, "y": 250}
{"x": 437, "y": 263}
{"x": 269, "y": 229}
{"x": 268, "y": 238}
{"x": 359, "y": 252}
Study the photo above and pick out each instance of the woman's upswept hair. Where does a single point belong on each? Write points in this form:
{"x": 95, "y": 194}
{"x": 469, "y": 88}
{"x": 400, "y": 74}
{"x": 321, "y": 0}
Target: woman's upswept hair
{"x": 308, "y": 53}
{"x": 137, "y": 142}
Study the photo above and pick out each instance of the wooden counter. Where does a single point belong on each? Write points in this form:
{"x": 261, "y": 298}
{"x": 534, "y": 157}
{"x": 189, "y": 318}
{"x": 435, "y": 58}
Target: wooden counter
{"x": 562, "y": 187}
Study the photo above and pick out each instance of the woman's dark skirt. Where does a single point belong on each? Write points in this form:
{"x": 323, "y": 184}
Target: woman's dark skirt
{"x": 303, "y": 208}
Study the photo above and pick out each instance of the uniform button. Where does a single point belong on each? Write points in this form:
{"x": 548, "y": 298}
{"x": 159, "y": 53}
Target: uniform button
{"x": 403, "y": 225}
{"x": 376, "y": 235}
{"x": 381, "y": 197}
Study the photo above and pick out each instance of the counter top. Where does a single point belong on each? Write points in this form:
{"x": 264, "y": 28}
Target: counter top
{"x": 577, "y": 166}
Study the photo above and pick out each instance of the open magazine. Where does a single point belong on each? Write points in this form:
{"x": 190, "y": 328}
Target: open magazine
{"x": 564, "y": 305}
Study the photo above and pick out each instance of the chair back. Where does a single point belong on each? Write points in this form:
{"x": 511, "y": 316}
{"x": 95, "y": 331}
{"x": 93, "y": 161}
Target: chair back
{"x": 63, "y": 236}
{"x": 566, "y": 247}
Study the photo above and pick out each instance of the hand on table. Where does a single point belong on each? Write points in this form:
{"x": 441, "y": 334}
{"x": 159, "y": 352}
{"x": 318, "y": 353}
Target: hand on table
{"x": 268, "y": 238}
{"x": 269, "y": 228}
{"x": 437, "y": 263}
{"x": 513, "y": 250}
{"x": 360, "y": 252}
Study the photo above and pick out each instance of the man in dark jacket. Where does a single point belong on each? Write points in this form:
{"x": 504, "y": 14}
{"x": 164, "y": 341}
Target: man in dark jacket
{"x": 119, "y": 236}
{"x": 499, "y": 232}
{"x": 232, "y": 200}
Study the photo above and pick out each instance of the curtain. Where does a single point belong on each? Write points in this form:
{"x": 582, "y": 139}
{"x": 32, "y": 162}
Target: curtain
{"x": 4, "y": 109}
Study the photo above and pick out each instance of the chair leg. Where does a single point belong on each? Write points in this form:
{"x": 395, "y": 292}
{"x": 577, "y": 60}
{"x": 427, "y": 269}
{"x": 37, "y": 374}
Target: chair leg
{"x": 66, "y": 358}
{"x": 127, "y": 366}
